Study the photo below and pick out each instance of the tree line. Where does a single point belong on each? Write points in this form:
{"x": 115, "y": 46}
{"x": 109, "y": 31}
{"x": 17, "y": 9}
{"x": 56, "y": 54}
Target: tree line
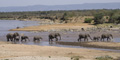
{"x": 100, "y": 15}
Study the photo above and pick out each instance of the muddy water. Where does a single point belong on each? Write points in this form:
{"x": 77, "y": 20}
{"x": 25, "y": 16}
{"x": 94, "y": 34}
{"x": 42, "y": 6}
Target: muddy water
{"x": 5, "y": 25}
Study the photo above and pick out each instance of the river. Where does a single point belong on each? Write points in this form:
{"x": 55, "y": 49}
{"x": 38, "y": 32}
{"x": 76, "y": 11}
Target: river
{"x": 6, "y": 25}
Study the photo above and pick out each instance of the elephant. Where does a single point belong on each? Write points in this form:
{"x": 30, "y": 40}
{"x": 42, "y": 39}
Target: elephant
{"x": 54, "y": 35}
{"x": 96, "y": 38}
{"x": 107, "y": 36}
{"x": 13, "y": 36}
{"x": 84, "y": 36}
{"x": 37, "y": 38}
{"x": 9, "y": 36}
{"x": 24, "y": 38}
{"x": 16, "y": 36}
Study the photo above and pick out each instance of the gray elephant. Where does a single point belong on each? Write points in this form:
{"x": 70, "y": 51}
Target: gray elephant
{"x": 12, "y": 36}
{"x": 37, "y": 38}
{"x": 107, "y": 36}
{"x": 84, "y": 36}
{"x": 96, "y": 38}
{"x": 24, "y": 38}
{"x": 54, "y": 35}
{"x": 16, "y": 36}
{"x": 9, "y": 37}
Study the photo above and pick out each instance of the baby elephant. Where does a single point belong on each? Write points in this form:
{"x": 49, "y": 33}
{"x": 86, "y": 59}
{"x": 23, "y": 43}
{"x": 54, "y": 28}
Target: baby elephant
{"x": 24, "y": 38}
{"x": 37, "y": 38}
{"x": 96, "y": 38}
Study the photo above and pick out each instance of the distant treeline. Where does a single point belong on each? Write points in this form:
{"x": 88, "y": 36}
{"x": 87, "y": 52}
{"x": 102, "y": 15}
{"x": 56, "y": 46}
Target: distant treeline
{"x": 112, "y": 14}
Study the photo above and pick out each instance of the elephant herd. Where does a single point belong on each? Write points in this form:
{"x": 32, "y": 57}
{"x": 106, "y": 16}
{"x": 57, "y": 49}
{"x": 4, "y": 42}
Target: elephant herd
{"x": 108, "y": 37}
{"x": 16, "y": 37}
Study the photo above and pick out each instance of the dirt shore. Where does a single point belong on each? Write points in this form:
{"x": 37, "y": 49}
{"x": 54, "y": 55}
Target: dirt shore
{"x": 20, "y": 51}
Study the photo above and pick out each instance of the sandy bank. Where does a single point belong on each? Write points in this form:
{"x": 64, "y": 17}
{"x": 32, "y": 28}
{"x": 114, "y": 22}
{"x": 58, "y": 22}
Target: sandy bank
{"x": 20, "y": 50}
{"x": 54, "y": 27}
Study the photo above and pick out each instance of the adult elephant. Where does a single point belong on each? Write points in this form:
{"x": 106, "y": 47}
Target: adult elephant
{"x": 84, "y": 36}
{"x": 16, "y": 36}
{"x": 24, "y": 38}
{"x": 54, "y": 35}
{"x": 106, "y": 36}
{"x": 10, "y": 36}
{"x": 37, "y": 38}
{"x": 13, "y": 36}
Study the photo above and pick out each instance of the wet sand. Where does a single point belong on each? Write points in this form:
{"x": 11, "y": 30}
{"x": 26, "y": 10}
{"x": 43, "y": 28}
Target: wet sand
{"x": 105, "y": 45}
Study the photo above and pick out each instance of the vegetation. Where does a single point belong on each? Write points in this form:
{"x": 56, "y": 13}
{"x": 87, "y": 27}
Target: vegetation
{"x": 98, "y": 18}
{"x": 88, "y": 20}
{"x": 112, "y": 16}
{"x": 104, "y": 58}
{"x": 76, "y": 57}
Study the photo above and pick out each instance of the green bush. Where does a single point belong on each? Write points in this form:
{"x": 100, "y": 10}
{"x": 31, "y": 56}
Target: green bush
{"x": 88, "y": 20}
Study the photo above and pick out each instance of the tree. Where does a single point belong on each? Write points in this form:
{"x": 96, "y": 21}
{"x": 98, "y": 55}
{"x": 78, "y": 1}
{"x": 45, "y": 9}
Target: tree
{"x": 116, "y": 18}
{"x": 98, "y": 18}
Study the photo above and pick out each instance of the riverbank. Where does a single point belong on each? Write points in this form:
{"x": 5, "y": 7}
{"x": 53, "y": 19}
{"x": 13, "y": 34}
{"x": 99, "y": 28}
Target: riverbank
{"x": 105, "y": 45}
{"x": 20, "y": 51}
{"x": 56, "y": 27}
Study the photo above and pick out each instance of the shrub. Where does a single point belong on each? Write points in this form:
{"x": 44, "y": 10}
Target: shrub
{"x": 104, "y": 58}
{"x": 88, "y": 20}
{"x": 98, "y": 18}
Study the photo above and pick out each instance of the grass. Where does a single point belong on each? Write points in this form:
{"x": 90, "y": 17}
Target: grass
{"x": 104, "y": 58}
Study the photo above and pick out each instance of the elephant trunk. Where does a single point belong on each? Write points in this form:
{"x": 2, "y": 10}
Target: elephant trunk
{"x": 90, "y": 37}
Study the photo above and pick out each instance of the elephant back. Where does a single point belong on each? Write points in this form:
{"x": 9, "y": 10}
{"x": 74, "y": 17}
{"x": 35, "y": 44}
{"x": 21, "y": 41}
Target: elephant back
{"x": 16, "y": 34}
{"x": 9, "y": 35}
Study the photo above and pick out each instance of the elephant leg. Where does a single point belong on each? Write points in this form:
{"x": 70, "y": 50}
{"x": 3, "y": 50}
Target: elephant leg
{"x": 25, "y": 40}
{"x": 11, "y": 39}
{"x": 87, "y": 39}
{"x": 7, "y": 39}
{"x": 107, "y": 39}
{"x": 97, "y": 40}
{"x": 56, "y": 39}
{"x": 49, "y": 39}
{"x": 21, "y": 39}
{"x": 78, "y": 39}
{"x": 84, "y": 39}
{"x": 101, "y": 39}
